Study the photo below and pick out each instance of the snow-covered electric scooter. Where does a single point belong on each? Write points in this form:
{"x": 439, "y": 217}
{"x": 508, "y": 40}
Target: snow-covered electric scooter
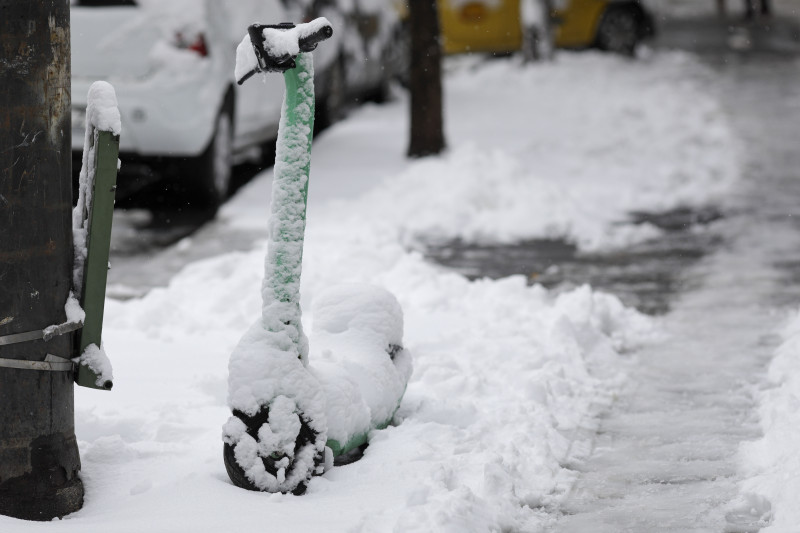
{"x": 291, "y": 418}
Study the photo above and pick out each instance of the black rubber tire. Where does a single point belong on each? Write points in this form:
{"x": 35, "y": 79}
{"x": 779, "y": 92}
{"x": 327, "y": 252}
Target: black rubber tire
{"x": 402, "y": 50}
{"x": 209, "y": 176}
{"x": 619, "y": 31}
{"x": 332, "y": 107}
{"x": 306, "y": 437}
{"x": 395, "y": 61}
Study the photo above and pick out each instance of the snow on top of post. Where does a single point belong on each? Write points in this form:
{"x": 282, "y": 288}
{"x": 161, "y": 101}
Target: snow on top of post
{"x": 101, "y": 110}
{"x": 101, "y": 114}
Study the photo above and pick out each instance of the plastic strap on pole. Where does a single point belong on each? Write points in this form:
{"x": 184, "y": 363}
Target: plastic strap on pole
{"x": 51, "y": 363}
{"x": 44, "y": 334}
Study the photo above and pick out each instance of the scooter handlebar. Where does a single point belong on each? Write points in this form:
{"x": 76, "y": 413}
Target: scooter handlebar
{"x": 276, "y": 50}
{"x": 309, "y": 42}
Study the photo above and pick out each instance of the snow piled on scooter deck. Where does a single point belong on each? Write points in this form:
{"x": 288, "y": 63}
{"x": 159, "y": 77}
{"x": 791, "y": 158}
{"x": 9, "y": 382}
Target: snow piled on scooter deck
{"x": 355, "y": 327}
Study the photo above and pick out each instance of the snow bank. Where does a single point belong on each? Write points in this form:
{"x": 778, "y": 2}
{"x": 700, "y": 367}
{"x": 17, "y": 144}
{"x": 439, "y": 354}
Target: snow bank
{"x": 582, "y": 141}
{"x": 505, "y": 376}
{"x": 559, "y": 150}
{"x": 487, "y": 196}
{"x": 772, "y": 463}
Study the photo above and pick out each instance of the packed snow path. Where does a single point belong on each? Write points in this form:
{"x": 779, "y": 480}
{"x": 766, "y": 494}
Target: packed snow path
{"x": 665, "y": 455}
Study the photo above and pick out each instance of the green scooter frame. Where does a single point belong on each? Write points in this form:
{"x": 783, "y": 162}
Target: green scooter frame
{"x": 277, "y": 440}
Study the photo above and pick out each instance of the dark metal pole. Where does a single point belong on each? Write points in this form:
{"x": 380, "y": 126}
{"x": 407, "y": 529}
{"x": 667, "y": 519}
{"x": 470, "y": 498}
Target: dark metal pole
{"x": 39, "y": 460}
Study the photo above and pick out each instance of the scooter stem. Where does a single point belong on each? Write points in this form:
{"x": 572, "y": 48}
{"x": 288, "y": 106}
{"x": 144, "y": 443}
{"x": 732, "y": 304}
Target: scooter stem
{"x": 281, "y": 286}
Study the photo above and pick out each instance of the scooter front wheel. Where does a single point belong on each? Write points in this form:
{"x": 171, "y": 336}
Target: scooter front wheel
{"x": 267, "y": 458}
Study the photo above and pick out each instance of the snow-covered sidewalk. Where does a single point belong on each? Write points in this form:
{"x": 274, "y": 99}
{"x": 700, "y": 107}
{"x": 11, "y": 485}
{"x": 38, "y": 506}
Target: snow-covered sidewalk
{"x": 506, "y": 376}
{"x": 772, "y": 462}
{"x": 666, "y": 455}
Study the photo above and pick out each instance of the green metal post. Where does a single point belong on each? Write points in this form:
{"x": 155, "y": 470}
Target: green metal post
{"x": 95, "y": 274}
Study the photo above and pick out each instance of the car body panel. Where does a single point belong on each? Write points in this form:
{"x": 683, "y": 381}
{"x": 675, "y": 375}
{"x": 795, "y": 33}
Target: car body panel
{"x": 495, "y": 25}
{"x": 480, "y": 25}
{"x": 122, "y": 52}
{"x": 170, "y": 100}
{"x": 171, "y": 87}
{"x": 578, "y": 23}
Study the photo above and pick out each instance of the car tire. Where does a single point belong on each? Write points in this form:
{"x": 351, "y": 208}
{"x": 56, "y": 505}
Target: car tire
{"x": 395, "y": 60}
{"x": 212, "y": 171}
{"x": 382, "y": 92}
{"x": 619, "y": 31}
{"x": 402, "y": 50}
{"x": 332, "y": 106}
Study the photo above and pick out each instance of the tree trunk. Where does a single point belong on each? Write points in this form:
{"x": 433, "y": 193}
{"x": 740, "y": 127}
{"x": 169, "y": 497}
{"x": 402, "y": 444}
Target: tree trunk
{"x": 39, "y": 460}
{"x": 425, "y": 80}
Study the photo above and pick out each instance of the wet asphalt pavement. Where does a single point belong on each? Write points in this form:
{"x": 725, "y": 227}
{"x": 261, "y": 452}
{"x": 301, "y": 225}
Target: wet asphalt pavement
{"x": 646, "y": 276}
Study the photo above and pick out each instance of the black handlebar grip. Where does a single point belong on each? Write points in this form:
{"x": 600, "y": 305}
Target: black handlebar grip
{"x": 310, "y": 42}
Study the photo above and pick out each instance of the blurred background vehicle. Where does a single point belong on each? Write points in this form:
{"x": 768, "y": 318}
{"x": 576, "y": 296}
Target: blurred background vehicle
{"x": 498, "y": 26}
{"x": 480, "y": 25}
{"x": 171, "y": 63}
{"x": 613, "y": 25}
{"x": 366, "y": 53}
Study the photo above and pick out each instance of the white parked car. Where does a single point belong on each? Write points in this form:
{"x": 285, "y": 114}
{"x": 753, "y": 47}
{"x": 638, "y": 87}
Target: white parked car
{"x": 171, "y": 63}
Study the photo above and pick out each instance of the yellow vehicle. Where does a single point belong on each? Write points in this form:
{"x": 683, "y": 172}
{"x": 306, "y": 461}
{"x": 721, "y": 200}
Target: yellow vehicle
{"x": 496, "y": 25}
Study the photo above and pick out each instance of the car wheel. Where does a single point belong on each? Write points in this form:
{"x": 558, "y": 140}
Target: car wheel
{"x": 402, "y": 51}
{"x": 381, "y": 93}
{"x": 395, "y": 60}
{"x": 213, "y": 169}
{"x": 619, "y": 31}
{"x": 332, "y": 108}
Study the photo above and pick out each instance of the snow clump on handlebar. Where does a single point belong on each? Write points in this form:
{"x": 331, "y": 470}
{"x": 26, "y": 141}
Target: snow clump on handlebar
{"x": 273, "y": 48}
